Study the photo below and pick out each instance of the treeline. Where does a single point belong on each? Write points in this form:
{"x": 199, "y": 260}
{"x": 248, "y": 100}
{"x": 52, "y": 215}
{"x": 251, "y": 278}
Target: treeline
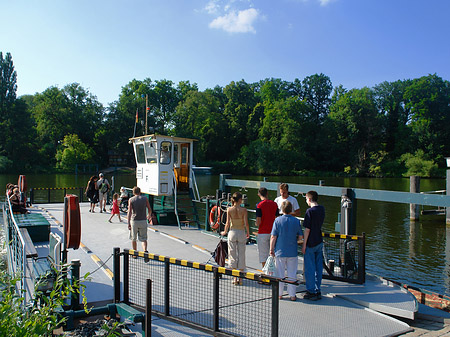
{"x": 269, "y": 127}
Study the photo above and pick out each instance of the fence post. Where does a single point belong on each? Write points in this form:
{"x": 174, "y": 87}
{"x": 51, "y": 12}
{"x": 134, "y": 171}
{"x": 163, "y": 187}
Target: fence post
{"x": 363, "y": 258}
{"x": 216, "y": 299}
{"x": 48, "y": 195}
{"x": 414, "y": 187}
{"x": 207, "y": 225}
{"x": 166, "y": 287}
{"x": 148, "y": 309}
{"x": 74, "y": 281}
{"x": 275, "y": 308}
{"x": 116, "y": 271}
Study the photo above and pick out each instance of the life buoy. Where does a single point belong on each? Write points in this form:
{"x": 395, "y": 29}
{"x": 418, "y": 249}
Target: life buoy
{"x": 22, "y": 183}
{"x": 214, "y": 217}
{"x": 72, "y": 221}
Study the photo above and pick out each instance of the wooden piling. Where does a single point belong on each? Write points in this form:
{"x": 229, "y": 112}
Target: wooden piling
{"x": 414, "y": 187}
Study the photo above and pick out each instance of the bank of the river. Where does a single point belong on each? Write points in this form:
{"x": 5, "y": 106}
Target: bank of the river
{"x": 414, "y": 253}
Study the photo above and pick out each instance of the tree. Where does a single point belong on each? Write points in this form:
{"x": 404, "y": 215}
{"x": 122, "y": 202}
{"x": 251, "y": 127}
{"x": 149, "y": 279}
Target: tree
{"x": 8, "y": 83}
{"x": 316, "y": 91}
{"x": 73, "y": 151}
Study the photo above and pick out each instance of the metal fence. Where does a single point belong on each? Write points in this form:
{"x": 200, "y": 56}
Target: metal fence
{"x": 200, "y": 295}
{"x": 55, "y": 194}
{"x": 15, "y": 245}
{"x": 344, "y": 257}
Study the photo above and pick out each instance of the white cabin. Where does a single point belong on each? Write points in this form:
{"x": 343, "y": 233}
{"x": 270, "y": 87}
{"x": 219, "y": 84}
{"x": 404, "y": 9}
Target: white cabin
{"x": 163, "y": 163}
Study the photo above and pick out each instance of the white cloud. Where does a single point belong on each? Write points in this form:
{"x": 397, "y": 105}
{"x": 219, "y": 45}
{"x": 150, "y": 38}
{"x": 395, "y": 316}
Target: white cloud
{"x": 212, "y": 7}
{"x": 237, "y": 21}
{"x": 325, "y": 2}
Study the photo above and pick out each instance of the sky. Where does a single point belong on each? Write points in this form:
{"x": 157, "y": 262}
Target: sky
{"x": 103, "y": 45}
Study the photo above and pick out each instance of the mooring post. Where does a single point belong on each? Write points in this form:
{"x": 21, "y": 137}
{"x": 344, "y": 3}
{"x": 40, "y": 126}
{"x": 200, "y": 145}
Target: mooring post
{"x": 75, "y": 282}
{"x": 348, "y": 212}
{"x": 414, "y": 187}
{"x": 222, "y": 183}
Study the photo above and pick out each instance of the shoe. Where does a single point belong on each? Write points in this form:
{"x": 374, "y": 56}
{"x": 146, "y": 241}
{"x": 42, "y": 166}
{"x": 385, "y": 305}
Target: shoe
{"x": 90, "y": 210}
{"x": 101, "y": 211}
{"x": 240, "y": 281}
{"x": 310, "y": 296}
{"x": 319, "y": 295}
{"x": 146, "y": 259}
{"x": 104, "y": 210}
{"x": 110, "y": 221}
{"x": 235, "y": 281}
{"x": 293, "y": 298}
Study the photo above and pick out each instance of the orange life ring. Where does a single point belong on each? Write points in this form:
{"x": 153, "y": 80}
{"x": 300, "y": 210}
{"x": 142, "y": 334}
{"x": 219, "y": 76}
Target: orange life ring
{"x": 22, "y": 183}
{"x": 213, "y": 221}
{"x": 72, "y": 222}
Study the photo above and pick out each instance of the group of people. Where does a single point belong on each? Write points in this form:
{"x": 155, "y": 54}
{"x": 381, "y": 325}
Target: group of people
{"x": 97, "y": 192}
{"x": 17, "y": 199}
{"x": 279, "y": 234}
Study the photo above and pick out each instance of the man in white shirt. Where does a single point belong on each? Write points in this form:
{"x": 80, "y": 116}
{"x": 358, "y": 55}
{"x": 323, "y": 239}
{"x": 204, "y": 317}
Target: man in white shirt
{"x": 284, "y": 195}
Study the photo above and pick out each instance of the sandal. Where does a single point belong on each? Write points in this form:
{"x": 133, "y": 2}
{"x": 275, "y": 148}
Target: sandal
{"x": 235, "y": 281}
{"x": 293, "y": 298}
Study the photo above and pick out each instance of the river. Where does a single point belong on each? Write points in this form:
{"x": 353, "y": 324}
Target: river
{"x": 415, "y": 253}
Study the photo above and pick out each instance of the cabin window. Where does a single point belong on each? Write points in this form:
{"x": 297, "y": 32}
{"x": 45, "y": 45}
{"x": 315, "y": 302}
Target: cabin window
{"x": 165, "y": 153}
{"x": 184, "y": 155}
{"x": 150, "y": 152}
{"x": 175, "y": 155}
{"x": 140, "y": 155}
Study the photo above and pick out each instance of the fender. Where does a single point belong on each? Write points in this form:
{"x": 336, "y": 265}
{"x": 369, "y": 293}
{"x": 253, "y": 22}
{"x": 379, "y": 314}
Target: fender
{"x": 22, "y": 183}
{"x": 213, "y": 220}
{"x": 72, "y": 221}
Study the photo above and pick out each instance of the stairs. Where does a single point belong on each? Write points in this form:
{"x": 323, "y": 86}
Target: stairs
{"x": 185, "y": 214}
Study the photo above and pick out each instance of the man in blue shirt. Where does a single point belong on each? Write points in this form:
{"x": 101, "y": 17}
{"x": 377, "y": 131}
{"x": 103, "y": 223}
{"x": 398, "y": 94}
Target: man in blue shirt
{"x": 313, "y": 246}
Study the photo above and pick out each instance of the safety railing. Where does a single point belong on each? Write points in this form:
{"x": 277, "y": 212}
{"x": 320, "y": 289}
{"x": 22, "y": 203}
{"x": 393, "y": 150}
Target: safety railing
{"x": 344, "y": 257}
{"x": 15, "y": 245}
{"x": 54, "y": 194}
{"x": 199, "y": 295}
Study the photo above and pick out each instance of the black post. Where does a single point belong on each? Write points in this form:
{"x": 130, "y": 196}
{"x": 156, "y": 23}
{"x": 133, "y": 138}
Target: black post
{"x": 116, "y": 272}
{"x": 207, "y": 225}
{"x": 362, "y": 259}
{"x": 148, "y": 310}
{"x": 48, "y": 195}
{"x": 126, "y": 277}
{"x": 74, "y": 281}
{"x": 348, "y": 212}
{"x": 275, "y": 308}
{"x": 32, "y": 196}
{"x": 166, "y": 287}
{"x": 216, "y": 299}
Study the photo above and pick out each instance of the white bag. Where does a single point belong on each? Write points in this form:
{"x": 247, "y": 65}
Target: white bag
{"x": 269, "y": 267}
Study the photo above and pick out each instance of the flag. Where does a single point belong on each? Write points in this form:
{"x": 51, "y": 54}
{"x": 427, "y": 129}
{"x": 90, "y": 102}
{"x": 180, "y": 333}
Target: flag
{"x": 137, "y": 117}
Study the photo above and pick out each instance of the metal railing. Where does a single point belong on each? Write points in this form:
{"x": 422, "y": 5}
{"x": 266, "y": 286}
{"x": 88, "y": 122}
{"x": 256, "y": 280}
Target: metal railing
{"x": 15, "y": 245}
{"x": 54, "y": 194}
{"x": 199, "y": 295}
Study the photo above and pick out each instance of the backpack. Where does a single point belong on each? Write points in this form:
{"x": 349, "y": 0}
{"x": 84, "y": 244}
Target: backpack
{"x": 104, "y": 187}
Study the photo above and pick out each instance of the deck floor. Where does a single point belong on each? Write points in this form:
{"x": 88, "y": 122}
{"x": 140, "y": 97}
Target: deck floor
{"x": 345, "y": 310}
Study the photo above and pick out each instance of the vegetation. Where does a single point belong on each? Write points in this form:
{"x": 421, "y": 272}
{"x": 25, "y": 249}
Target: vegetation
{"x": 269, "y": 127}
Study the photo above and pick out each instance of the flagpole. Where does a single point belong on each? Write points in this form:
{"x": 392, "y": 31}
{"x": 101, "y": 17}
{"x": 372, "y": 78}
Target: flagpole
{"x": 135, "y": 123}
{"x": 146, "y": 112}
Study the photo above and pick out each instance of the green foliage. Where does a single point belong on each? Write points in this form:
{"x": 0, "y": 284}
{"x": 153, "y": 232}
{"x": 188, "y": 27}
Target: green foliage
{"x": 5, "y": 164}
{"x": 73, "y": 151}
{"x": 417, "y": 165}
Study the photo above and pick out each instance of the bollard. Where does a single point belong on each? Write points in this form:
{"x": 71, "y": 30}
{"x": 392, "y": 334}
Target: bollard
{"x": 414, "y": 187}
{"x": 148, "y": 309}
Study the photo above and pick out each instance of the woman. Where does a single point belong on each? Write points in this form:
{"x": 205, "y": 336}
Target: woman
{"x": 237, "y": 226}
{"x": 16, "y": 203}
{"x": 286, "y": 232}
{"x": 92, "y": 192}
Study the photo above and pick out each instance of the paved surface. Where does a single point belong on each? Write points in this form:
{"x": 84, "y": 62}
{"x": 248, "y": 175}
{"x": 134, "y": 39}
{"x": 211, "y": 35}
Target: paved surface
{"x": 99, "y": 237}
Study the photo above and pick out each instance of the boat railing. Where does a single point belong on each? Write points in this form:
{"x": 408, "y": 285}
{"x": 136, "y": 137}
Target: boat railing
{"x": 15, "y": 246}
{"x": 194, "y": 185}
{"x": 198, "y": 295}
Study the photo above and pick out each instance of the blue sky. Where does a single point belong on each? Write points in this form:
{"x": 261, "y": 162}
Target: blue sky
{"x": 105, "y": 44}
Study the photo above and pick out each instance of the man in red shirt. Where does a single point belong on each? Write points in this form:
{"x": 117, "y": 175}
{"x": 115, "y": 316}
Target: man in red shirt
{"x": 266, "y": 212}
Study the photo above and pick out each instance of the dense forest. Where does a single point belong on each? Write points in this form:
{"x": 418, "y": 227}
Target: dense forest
{"x": 270, "y": 127}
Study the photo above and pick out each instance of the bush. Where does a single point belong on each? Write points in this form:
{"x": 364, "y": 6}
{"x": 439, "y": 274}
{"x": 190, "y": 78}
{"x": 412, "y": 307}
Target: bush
{"x": 417, "y": 165}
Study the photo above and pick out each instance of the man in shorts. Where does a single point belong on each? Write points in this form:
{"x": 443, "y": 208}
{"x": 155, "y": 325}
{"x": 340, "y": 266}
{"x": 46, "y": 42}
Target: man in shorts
{"x": 103, "y": 187}
{"x": 266, "y": 212}
{"x": 137, "y": 217}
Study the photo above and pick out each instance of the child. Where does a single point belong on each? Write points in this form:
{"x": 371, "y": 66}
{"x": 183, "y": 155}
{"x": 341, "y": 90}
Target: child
{"x": 115, "y": 207}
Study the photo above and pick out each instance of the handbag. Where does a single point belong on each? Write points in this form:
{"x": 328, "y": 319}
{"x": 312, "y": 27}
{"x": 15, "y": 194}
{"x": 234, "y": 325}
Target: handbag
{"x": 270, "y": 267}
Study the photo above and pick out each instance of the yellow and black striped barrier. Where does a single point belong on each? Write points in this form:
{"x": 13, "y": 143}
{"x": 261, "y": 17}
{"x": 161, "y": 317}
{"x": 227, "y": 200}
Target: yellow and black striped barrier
{"x": 341, "y": 236}
{"x": 45, "y": 195}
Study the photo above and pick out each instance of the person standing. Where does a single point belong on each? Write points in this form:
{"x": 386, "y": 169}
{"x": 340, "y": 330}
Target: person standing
{"x": 137, "y": 218}
{"x": 286, "y": 232}
{"x": 237, "y": 225}
{"x": 313, "y": 246}
{"x": 103, "y": 187}
{"x": 266, "y": 212}
{"x": 115, "y": 207}
{"x": 284, "y": 195}
{"x": 92, "y": 193}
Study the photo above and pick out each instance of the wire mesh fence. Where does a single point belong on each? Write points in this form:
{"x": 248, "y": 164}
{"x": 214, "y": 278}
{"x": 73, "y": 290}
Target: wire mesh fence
{"x": 203, "y": 295}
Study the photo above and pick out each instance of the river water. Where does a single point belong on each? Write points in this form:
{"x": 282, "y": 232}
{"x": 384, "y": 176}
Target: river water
{"x": 415, "y": 253}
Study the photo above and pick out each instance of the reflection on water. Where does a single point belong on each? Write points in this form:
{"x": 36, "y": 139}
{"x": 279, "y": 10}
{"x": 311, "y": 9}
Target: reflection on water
{"x": 415, "y": 253}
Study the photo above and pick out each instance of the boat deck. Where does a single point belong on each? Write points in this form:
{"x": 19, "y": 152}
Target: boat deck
{"x": 372, "y": 309}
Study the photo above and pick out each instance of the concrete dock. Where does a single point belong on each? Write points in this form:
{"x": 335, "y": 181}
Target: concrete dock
{"x": 376, "y": 308}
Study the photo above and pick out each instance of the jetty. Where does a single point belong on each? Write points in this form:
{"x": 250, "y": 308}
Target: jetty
{"x": 375, "y": 308}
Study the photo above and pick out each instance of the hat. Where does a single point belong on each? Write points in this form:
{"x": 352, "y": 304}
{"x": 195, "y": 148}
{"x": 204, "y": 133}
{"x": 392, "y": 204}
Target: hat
{"x": 100, "y": 174}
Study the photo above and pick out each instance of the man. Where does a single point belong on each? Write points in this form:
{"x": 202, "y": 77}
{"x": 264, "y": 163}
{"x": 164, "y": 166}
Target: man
{"x": 137, "y": 217}
{"x": 266, "y": 212}
{"x": 103, "y": 187}
{"x": 313, "y": 246}
{"x": 284, "y": 195}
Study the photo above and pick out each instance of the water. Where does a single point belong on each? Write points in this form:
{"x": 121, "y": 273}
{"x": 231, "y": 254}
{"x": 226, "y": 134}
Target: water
{"x": 415, "y": 253}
